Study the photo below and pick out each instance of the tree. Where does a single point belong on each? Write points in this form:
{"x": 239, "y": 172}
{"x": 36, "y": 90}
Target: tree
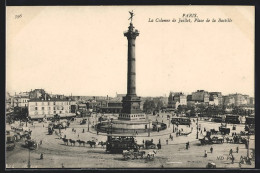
{"x": 149, "y": 106}
{"x": 159, "y": 105}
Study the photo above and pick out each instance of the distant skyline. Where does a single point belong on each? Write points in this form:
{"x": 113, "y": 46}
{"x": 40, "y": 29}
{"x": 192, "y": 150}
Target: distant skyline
{"x": 82, "y": 50}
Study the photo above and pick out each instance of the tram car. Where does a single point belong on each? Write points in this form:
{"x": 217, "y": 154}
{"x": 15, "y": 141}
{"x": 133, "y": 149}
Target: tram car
{"x": 181, "y": 121}
{"x": 250, "y": 125}
{"x": 116, "y": 144}
{"x": 232, "y": 119}
{"x": 217, "y": 119}
{"x": 10, "y": 142}
{"x": 250, "y": 120}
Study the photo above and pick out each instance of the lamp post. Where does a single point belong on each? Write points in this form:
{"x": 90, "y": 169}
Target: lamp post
{"x": 197, "y": 136}
{"x": 88, "y": 124}
{"x": 29, "y": 163}
{"x": 248, "y": 138}
{"x": 173, "y": 127}
{"x": 111, "y": 123}
{"x": 149, "y": 129}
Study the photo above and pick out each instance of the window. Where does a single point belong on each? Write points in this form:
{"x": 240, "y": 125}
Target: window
{"x": 49, "y": 108}
{"x": 54, "y": 103}
{"x": 48, "y": 103}
{"x": 60, "y": 112}
{"x": 54, "y": 112}
{"x": 54, "y": 108}
{"x": 42, "y": 108}
{"x": 36, "y": 108}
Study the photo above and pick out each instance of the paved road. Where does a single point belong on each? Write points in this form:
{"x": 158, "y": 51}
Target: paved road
{"x": 173, "y": 155}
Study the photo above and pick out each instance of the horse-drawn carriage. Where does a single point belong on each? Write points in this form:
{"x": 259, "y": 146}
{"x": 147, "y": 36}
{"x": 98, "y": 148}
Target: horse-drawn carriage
{"x": 83, "y": 122}
{"x": 224, "y": 130}
{"x": 208, "y": 139}
{"x": 211, "y": 165}
{"x": 149, "y": 144}
{"x": 116, "y": 144}
{"x": 31, "y": 144}
{"x": 133, "y": 154}
{"x": 250, "y": 129}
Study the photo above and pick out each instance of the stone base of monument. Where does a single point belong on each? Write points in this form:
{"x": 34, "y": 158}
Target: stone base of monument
{"x": 129, "y": 127}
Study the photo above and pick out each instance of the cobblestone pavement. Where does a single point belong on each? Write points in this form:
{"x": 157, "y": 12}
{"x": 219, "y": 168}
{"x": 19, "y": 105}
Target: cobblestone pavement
{"x": 174, "y": 155}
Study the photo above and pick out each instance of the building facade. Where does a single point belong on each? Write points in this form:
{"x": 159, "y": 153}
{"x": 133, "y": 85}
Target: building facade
{"x": 200, "y": 96}
{"x": 175, "y": 99}
{"x": 40, "y": 108}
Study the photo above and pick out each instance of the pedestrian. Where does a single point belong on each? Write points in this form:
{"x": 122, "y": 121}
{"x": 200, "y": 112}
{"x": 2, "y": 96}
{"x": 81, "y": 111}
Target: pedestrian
{"x": 78, "y": 135}
{"x": 62, "y": 165}
{"x": 83, "y": 130}
{"x": 159, "y": 141}
{"x": 237, "y": 149}
{"x": 143, "y": 141}
{"x": 166, "y": 141}
{"x": 187, "y": 145}
{"x": 206, "y": 154}
{"x": 40, "y": 142}
{"x": 232, "y": 158}
{"x": 41, "y": 156}
{"x": 211, "y": 149}
{"x": 230, "y": 152}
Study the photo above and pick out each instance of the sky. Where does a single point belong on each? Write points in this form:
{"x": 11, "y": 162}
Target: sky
{"x": 81, "y": 50}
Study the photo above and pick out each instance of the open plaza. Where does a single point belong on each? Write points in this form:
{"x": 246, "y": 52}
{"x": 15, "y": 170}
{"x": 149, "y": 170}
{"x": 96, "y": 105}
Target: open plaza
{"x": 173, "y": 152}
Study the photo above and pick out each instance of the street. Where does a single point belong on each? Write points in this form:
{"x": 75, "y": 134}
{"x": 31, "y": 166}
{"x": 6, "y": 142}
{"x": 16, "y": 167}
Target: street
{"x": 174, "y": 155}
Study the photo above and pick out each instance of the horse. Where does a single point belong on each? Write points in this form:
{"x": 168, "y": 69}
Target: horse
{"x": 127, "y": 154}
{"x": 91, "y": 143}
{"x": 81, "y": 142}
{"x": 139, "y": 153}
{"x": 72, "y": 142}
{"x": 65, "y": 140}
{"x": 140, "y": 145}
{"x": 102, "y": 144}
{"x": 151, "y": 154}
{"x": 229, "y": 140}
